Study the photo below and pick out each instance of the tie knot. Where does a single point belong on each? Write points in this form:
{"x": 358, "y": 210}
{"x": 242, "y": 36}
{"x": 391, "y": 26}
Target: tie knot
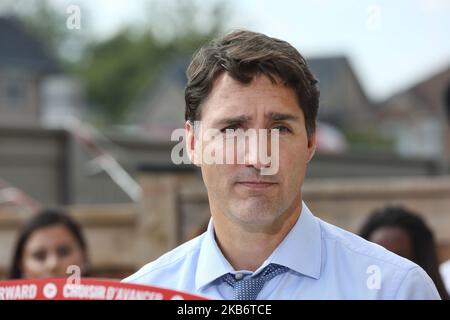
{"x": 249, "y": 288}
{"x": 272, "y": 270}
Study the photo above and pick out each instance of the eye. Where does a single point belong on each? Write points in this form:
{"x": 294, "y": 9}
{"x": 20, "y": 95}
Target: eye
{"x": 232, "y": 128}
{"x": 39, "y": 255}
{"x": 64, "y": 251}
{"x": 282, "y": 129}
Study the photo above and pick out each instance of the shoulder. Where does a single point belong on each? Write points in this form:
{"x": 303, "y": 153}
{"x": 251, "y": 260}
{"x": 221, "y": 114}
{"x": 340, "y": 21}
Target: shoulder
{"x": 353, "y": 245}
{"x": 400, "y": 278}
{"x": 170, "y": 264}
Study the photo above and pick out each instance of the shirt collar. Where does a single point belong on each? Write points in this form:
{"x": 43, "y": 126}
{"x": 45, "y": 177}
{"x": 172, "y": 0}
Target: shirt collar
{"x": 300, "y": 251}
{"x": 211, "y": 262}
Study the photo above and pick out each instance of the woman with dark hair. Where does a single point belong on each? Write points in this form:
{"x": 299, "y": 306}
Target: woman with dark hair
{"x": 406, "y": 234}
{"x": 47, "y": 245}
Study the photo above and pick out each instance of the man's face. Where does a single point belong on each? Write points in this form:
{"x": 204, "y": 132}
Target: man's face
{"x": 239, "y": 192}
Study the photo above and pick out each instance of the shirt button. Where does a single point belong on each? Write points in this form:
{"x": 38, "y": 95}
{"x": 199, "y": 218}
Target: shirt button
{"x": 238, "y": 276}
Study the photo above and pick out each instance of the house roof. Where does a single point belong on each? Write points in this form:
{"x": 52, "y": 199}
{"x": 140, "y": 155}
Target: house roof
{"x": 330, "y": 68}
{"x": 20, "y": 49}
{"x": 426, "y": 97}
{"x": 162, "y": 105}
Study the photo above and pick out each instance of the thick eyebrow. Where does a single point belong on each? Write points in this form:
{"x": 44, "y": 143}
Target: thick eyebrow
{"x": 276, "y": 116}
{"x": 232, "y": 120}
{"x": 273, "y": 116}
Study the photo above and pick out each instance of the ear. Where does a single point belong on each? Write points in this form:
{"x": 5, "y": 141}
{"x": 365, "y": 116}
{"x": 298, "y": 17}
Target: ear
{"x": 191, "y": 137}
{"x": 312, "y": 142}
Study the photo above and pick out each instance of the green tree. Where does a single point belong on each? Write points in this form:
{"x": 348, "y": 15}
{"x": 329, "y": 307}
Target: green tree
{"x": 117, "y": 70}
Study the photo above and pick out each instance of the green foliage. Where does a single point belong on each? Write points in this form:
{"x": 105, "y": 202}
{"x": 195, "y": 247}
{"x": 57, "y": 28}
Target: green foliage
{"x": 116, "y": 71}
{"x": 368, "y": 139}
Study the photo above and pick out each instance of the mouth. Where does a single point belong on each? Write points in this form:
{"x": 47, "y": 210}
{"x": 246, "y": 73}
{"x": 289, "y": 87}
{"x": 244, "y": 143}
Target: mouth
{"x": 256, "y": 184}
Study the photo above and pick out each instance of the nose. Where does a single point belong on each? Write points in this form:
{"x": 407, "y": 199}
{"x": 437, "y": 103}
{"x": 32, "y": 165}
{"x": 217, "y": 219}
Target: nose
{"x": 52, "y": 264}
{"x": 257, "y": 150}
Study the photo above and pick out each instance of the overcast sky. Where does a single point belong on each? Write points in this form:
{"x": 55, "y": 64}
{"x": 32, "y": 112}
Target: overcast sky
{"x": 390, "y": 44}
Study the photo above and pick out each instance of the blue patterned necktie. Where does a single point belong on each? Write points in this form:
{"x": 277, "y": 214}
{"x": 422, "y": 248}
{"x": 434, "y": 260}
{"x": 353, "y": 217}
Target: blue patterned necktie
{"x": 249, "y": 288}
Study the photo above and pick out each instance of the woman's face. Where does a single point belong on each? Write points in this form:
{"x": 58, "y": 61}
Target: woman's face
{"x": 50, "y": 251}
{"x": 394, "y": 239}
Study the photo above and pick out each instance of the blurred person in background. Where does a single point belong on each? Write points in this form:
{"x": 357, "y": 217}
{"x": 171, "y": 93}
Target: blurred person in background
{"x": 445, "y": 267}
{"x": 47, "y": 245}
{"x": 405, "y": 233}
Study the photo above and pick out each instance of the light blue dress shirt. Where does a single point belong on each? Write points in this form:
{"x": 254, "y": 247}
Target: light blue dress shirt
{"x": 324, "y": 261}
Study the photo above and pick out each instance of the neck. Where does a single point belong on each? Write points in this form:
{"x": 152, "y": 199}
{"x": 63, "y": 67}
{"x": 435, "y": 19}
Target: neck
{"x": 246, "y": 247}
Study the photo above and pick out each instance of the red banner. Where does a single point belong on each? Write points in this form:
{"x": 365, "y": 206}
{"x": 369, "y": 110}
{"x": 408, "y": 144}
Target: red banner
{"x": 86, "y": 289}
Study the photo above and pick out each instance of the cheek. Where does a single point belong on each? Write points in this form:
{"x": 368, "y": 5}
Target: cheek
{"x": 217, "y": 174}
{"x": 293, "y": 158}
{"x": 32, "y": 268}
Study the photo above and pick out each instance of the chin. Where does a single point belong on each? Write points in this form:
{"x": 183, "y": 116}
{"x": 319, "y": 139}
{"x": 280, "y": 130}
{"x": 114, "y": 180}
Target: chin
{"x": 256, "y": 213}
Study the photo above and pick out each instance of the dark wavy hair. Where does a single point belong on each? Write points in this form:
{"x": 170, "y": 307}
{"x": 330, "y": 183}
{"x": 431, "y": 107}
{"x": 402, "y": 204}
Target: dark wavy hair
{"x": 421, "y": 236}
{"x": 44, "y": 219}
{"x": 244, "y": 55}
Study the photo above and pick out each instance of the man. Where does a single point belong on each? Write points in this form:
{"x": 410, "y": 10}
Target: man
{"x": 262, "y": 241}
